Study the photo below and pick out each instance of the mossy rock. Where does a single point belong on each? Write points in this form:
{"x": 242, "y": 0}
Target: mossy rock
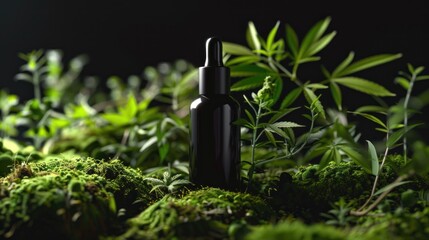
{"x": 311, "y": 191}
{"x": 127, "y": 184}
{"x": 296, "y": 231}
{"x": 205, "y": 213}
{"x": 68, "y": 198}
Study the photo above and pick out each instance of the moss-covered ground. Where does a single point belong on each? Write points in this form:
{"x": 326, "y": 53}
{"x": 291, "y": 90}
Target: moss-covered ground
{"x": 66, "y": 197}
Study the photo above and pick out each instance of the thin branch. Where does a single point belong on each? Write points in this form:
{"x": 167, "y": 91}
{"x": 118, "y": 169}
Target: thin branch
{"x": 407, "y": 99}
{"x": 362, "y": 212}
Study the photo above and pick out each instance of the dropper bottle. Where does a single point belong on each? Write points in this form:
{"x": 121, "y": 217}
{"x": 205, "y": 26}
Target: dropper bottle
{"x": 215, "y": 139}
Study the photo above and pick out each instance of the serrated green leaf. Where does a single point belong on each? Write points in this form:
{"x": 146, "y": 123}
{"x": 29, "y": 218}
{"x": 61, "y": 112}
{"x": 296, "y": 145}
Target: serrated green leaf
{"x": 248, "y": 83}
{"x": 371, "y": 108}
{"x": 275, "y": 129}
{"x": 244, "y": 122}
{"x": 374, "y": 159}
{"x": 320, "y": 44}
{"x": 292, "y": 40}
{"x": 242, "y": 60}
{"x": 286, "y": 124}
{"x": 397, "y": 135}
{"x": 372, "y": 118}
{"x": 291, "y": 97}
{"x": 313, "y": 99}
{"x": 313, "y": 35}
{"x": 363, "y": 85}
{"x": 368, "y": 63}
{"x": 252, "y": 37}
{"x": 346, "y": 62}
{"x": 272, "y": 35}
{"x": 270, "y": 137}
{"x": 248, "y": 70}
{"x": 336, "y": 95}
{"x": 236, "y": 49}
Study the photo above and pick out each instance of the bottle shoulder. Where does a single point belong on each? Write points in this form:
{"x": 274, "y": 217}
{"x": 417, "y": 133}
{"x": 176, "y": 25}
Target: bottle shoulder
{"x": 213, "y": 101}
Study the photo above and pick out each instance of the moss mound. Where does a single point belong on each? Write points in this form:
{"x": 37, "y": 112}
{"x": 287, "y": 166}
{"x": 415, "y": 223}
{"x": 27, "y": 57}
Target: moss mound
{"x": 126, "y": 183}
{"x": 310, "y": 192}
{"x": 67, "y": 198}
{"x": 398, "y": 225}
{"x": 203, "y": 213}
{"x": 296, "y": 231}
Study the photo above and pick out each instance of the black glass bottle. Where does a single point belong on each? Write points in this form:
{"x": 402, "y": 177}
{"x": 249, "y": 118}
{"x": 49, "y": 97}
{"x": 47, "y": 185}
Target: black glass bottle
{"x": 215, "y": 140}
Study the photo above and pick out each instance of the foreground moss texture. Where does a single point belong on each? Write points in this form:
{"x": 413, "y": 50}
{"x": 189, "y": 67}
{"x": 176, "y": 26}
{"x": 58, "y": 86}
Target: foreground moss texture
{"x": 309, "y": 191}
{"x": 296, "y": 231}
{"x": 83, "y": 198}
{"x": 205, "y": 213}
{"x": 69, "y": 198}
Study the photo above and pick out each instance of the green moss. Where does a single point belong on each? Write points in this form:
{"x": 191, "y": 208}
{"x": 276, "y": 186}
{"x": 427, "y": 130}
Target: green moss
{"x": 124, "y": 182}
{"x": 310, "y": 192}
{"x": 52, "y": 205}
{"x": 68, "y": 198}
{"x": 203, "y": 213}
{"x": 399, "y": 225}
{"x": 296, "y": 231}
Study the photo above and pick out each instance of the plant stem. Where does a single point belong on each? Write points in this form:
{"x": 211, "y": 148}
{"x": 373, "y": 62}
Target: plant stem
{"x": 36, "y": 82}
{"x": 361, "y": 212}
{"x": 277, "y": 64}
{"x": 292, "y": 153}
{"x": 123, "y": 142}
{"x": 407, "y": 99}
{"x": 374, "y": 186}
{"x": 313, "y": 119}
{"x": 252, "y": 156}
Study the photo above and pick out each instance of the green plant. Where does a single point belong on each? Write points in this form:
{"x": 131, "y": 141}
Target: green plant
{"x": 132, "y": 122}
{"x": 322, "y": 171}
{"x": 260, "y": 106}
{"x": 407, "y": 81}
{"x": 340, "y": 214}
{"x": 168, "y": 184}
{"x": 8, "y": 121}
{"x": 272, "y": 57}
{"x": 395, "y": 130}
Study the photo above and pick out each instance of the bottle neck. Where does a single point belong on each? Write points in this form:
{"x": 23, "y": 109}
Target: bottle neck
{"x": 214, "y": 81}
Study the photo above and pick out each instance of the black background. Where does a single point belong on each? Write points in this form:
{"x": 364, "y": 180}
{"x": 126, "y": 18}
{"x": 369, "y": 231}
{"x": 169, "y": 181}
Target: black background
{"x": 122, "y": 37}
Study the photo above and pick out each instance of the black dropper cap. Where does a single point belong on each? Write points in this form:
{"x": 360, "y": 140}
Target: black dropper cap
{"x": 214, "y": 76}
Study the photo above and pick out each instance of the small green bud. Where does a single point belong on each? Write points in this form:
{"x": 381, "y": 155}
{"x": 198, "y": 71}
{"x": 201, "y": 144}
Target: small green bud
{"x": 265, "y": 94}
